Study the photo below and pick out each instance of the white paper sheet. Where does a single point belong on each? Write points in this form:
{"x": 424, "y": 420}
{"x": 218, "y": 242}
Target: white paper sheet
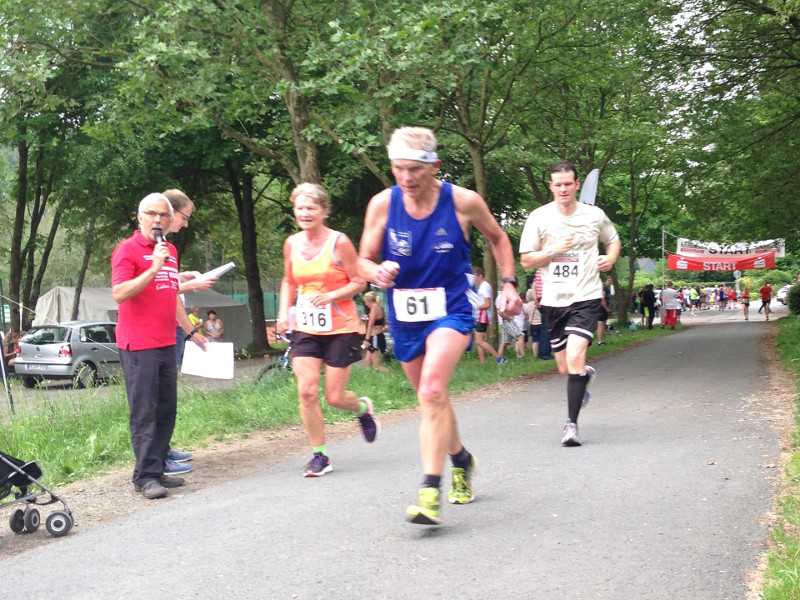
{"x": 216, "y": 362}
{"x": 218, "y": 272}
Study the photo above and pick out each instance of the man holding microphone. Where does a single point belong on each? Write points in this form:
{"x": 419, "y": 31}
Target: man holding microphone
{"x": 145, "y": 282}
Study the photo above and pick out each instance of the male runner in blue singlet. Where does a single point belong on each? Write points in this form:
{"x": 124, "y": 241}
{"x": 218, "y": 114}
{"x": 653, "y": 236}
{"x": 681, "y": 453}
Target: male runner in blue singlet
{"x": 420, "y": 229}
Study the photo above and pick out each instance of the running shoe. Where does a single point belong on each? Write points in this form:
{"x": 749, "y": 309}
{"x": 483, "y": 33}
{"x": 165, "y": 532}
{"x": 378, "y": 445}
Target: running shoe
{"x": 569, "y": 435}
{"x": 461, "y": 484}
{"x": 318, "y": 465}
{"x": 178, "y": 456}
{"x": 426, "y": 510}
{"x": 587, "y": 395}
{"x": 501, "y": 360}
{"x": 173, "y": 468}
{"x": 369, "y": 424}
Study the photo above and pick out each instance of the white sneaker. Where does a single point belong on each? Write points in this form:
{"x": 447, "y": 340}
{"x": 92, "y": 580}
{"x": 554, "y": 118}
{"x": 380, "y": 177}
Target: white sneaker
{"x": 570, "y": 435}
{"x": 587, "y": 395}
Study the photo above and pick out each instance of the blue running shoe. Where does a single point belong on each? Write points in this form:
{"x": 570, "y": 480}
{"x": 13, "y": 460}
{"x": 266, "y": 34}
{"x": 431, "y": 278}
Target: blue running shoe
{"x": 178, "y": 456}
{"x": 172, "y": 468}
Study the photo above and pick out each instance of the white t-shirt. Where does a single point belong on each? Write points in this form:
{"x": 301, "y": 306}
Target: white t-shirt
{"x": 669, "y": 299}
{"x": 572, "y": 276}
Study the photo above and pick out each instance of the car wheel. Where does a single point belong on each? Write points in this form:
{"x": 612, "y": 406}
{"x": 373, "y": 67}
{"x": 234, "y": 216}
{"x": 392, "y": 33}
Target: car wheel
{"x": 30, "y": 382}
{"x": 85, "y": 375}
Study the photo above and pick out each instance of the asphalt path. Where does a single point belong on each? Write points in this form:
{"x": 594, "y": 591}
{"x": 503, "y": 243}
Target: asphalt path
{"x": 665, "y": 499}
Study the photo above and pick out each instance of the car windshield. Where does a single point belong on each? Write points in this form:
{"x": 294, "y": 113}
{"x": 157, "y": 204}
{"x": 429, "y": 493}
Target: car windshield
{"x": 46, "y": 335}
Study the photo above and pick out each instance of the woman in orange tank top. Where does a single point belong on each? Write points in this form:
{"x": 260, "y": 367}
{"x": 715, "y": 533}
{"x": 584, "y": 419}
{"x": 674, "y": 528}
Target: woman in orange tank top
{"x": 319, "y": 280}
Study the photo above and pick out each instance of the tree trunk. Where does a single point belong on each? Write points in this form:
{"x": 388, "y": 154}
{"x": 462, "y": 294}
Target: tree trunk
{"x": 87, "y": 254}
{"x": 489, "y": 263}
{"x": 15, "y": 268}
{"x": 36, "y": 290}
{"x": 242, "y": 192}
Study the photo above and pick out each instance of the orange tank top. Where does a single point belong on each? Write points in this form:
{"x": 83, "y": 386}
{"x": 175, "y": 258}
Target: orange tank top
{"x": 319, "y": 275}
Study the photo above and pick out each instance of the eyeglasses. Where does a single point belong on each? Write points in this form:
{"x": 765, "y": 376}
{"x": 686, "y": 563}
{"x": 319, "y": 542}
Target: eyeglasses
{"x": 184, "y": 215}
{"x": 156, "y": 214}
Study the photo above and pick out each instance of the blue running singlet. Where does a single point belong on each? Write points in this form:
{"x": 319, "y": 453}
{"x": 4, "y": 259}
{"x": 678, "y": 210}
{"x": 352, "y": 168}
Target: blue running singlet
{"x": 434, "y": 261}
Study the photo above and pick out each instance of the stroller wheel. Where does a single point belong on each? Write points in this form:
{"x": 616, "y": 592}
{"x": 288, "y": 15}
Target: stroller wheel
{"x": 17, "y": 521}
{"x": 32, "y": 520}
{"x": 58, "y": 524}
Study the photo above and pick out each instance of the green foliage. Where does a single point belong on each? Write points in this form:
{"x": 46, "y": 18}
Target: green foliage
{"x": 793, "y": 299}
{"x": 782, "y": 578}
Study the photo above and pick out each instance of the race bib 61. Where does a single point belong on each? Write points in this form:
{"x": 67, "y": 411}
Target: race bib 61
{"x": 419, "y": 305}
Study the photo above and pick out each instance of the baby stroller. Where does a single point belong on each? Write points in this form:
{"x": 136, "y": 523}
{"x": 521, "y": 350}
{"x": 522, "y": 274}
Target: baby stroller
{"x": 18, "y": 474}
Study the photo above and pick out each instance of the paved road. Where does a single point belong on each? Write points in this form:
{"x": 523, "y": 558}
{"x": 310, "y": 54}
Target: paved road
{"x": 664, "y": 501}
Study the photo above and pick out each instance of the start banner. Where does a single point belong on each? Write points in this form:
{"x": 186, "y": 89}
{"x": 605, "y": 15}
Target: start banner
{"x": 687, "y": 247}
{"x": 676, "y": 262}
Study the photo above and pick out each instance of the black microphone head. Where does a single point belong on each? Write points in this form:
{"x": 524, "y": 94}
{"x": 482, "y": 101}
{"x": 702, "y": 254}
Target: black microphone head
{"x": 158, "y": 234}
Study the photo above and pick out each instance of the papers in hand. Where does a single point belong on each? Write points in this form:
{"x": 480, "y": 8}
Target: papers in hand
{"x": 216, "y": 362}
{"x": 218, "y": 272}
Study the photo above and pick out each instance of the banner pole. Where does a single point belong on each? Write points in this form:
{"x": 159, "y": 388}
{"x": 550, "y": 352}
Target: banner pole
{"x": 663, "y": 257}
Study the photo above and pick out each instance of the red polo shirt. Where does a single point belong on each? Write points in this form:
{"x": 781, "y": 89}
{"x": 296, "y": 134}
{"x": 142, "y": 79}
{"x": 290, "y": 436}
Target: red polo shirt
{"x": 147, "y": 320}
{"x": 766, "y": 293}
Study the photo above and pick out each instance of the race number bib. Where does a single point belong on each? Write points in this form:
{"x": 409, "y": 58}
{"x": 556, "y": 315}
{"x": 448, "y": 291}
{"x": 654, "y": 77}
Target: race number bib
{"x": 315, "y": 318}
{"x": 415, "y": 306}
{"x": 564, "y": 270}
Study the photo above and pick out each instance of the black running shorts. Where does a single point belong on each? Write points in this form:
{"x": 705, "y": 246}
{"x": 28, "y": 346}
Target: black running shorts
{"x": 336, "y": 350}
{"x": 579, "y": 319}
{"x": 481, "y": 327}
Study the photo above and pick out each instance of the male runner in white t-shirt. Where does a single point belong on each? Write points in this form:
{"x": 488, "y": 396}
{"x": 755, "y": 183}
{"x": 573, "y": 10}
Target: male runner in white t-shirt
{"x": 562, "y": 237}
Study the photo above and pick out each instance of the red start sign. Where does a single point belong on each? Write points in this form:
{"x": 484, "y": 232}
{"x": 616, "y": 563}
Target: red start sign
{"x": 677, "y": 262}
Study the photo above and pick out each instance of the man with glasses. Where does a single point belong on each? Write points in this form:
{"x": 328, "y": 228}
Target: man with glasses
{"x": 145, "y": 282}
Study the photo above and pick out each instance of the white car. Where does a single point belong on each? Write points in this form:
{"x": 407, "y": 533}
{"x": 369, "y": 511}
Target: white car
{"x": 783, "y": 294}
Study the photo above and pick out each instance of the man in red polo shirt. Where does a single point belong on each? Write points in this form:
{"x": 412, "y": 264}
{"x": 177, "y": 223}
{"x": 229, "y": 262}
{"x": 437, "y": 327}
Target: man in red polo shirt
{"x": 144, "y": 280}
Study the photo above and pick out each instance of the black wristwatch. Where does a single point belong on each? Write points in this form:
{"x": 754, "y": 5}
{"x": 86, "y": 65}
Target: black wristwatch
{"x": 512, "y": 280}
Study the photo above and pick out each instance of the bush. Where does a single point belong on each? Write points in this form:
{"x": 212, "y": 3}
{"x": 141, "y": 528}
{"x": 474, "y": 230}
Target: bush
{"x": 794, "y": 299}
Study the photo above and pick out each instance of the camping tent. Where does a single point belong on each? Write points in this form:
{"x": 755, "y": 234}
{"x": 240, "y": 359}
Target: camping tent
{"x": 55, "y": 306}
{"x": 97, "y": 304}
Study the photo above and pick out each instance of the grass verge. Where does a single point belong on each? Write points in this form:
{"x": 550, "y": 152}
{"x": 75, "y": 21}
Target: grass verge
{"x": 74, "y": 436}
{"x": 782, "y": 578}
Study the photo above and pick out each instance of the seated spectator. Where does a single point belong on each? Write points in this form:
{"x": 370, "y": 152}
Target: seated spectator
{"x": 214, "y": 326}
{"x": 195, "y": 319}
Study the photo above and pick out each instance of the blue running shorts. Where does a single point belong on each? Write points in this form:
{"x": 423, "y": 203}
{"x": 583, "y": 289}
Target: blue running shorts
{"x": 409, "y": 342}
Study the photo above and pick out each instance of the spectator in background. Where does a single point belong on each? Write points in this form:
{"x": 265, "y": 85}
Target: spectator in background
{"x": 374, "y": 336}
{"x": 745, "y": 299}
{"x": 10, "y": 350}
{"x": 671, "y": 302}
{"x": 534, "y": 318}
{"x": 482, "y": 306}
{"x": 649, "y": 304}
{"x": 766, "y": 297}
{"x": 214, "y": 326}
{"x": 511, "y": 329}
{"x": 195, "y": 319}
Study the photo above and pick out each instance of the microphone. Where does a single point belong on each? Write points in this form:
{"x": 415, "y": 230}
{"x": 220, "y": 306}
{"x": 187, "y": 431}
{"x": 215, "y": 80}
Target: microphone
{"x": 158, "y": 234}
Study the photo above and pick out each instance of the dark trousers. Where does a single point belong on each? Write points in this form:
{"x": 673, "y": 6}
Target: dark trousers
{"x": 651, "y": 314}
{"x": 180, "y": 345}
{"x": 151, "y": 384}
{"x": 545, "y": 351}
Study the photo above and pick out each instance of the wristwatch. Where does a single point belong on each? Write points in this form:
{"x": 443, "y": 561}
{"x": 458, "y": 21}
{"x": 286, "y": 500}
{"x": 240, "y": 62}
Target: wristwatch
{"x": 512, "y": 280}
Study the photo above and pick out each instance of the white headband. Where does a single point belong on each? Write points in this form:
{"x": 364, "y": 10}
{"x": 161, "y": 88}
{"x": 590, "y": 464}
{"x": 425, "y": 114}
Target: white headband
{"x": 400, "y": 151}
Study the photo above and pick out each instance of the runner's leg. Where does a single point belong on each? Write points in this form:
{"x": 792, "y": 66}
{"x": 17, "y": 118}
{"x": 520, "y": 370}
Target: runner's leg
{"x": 438, "y": 429}
{"x": 306, "y": 370}
{"x": 335, "y": 393}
